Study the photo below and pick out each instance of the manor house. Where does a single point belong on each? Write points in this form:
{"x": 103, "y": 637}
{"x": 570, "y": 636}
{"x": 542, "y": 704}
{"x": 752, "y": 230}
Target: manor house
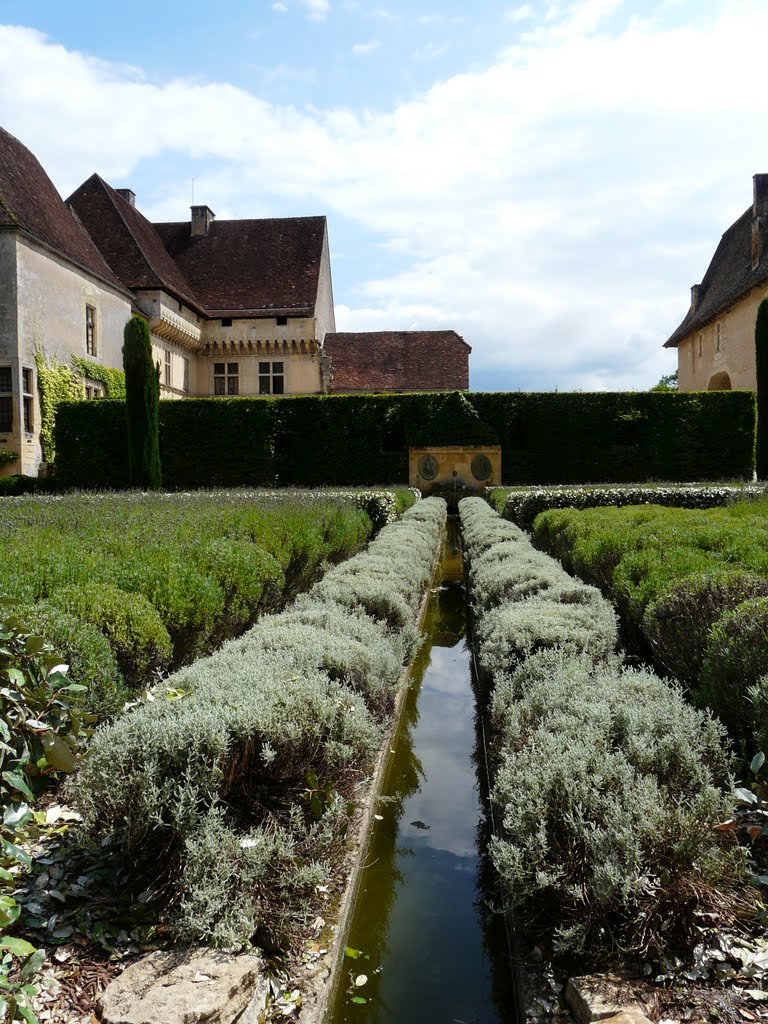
{"x": 234, "y": 307}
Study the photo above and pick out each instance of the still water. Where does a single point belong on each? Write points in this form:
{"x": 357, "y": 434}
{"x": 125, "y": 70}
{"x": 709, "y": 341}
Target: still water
{"x": 424, "y": 936}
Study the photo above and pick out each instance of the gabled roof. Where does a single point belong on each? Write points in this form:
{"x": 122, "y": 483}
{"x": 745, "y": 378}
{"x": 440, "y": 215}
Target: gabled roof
{"x": 729, "y": 277}
{"x": 268, "y": 267}
{"x": 398, "y": 361}
{"x": 30, "y": 202}
{"x": 129, "y": 242}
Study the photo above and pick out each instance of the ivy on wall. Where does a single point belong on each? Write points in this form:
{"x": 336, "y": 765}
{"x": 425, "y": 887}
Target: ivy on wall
{"x": 56, "y": 383}
{"x": 112, "y": 380}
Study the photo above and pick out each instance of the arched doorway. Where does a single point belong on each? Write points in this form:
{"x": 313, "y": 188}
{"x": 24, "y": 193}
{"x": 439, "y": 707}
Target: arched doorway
{"x": 719, "y": 382}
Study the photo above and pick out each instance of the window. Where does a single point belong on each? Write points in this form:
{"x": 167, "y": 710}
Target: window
{"x": 701, "y": 344}
{"x": 718, "y": 337}
{"x": 272, "y": 378}
{"x": 168, "y": 377}
{"x": 186, "y": 374}
{"x": 6, "y": 400}
{"x": 28, "y": 399}
{"x": 226, "y": 380}
{"x": 226, "y": 321}
{"x": 93, "y": 391}
{"x": 90, "y": 330}
{"x": 281, "y": 321}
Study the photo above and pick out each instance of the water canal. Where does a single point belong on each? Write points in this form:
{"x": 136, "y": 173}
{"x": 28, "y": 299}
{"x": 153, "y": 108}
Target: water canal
{"x": 422, "y": 933}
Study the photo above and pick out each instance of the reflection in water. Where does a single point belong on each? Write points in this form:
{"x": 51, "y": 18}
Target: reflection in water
{"x": 427, "y": 941}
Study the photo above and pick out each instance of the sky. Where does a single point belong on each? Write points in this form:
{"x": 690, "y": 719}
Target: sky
{"x": 546, "y": 178}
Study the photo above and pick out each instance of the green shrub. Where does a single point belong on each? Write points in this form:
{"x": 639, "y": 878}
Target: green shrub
{"x": 133, "y": 627}
{"x": 142, "y": 394}
{"x": 88, "y": 653}
{"x": 251, "y": 580}
{"x": 736, "y": 658}
{"x": 678, "y": 621}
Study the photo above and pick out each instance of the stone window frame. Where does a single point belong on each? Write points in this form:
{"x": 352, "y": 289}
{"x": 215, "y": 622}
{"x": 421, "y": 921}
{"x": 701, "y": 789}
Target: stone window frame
{"x": 272, "y": 377}
{"x": 168, "y": 371}
{"x": 226, "y": 379}
{"x": 91, "y": 348}
{"x": 28, "y": 398}
{"x": 6, "y": 399}
{"x": 92, "y": 389}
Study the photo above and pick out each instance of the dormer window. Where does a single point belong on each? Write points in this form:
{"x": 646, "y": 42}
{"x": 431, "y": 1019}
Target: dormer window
{"x": 226, "y": 321}
{"x": 281, "y": 321}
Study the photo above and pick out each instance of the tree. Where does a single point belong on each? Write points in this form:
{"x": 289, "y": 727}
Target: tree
{"x": 142, "y": 396}
{"x": 761, "y": 360}
{"x": 667, "y": 383}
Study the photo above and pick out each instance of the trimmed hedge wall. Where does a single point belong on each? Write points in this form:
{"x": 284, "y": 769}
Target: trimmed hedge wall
{"x": 309, "y": 440}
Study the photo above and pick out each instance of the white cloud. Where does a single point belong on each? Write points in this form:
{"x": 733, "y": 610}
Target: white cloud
{"x": 365, "y": 49}
{"x": 317, "y": 9}
{"x": 520, "y": 13}
{"x": 554, "y": 207}
{"x": 280, "y": 7}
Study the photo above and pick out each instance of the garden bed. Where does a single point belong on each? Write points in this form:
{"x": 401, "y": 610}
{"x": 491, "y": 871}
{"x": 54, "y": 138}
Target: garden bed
{"x": 608, "y": 788}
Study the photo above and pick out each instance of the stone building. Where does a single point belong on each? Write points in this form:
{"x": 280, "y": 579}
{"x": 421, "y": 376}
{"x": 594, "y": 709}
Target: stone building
{"x": 716, "y": 340}
{"x": 234, "y": 307}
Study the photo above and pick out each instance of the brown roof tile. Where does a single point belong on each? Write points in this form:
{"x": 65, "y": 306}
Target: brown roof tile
{"x": 398, "y": 361}
{"x": 266, "y": 267}
{"x": 129, "y": 241}
{"x": 29, "y": 200}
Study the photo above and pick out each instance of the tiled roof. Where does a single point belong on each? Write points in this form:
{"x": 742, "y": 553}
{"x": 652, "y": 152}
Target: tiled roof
{"x": 29, "y": 200}
{"x": 129, "y": 241}
{"x": 266, "y": 267}
{"x": 398, "y": 361}
{"x": 728, "y": 278}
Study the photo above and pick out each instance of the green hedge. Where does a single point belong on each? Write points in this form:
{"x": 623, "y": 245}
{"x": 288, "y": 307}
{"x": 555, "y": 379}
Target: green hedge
{"x": 364, "y": 439}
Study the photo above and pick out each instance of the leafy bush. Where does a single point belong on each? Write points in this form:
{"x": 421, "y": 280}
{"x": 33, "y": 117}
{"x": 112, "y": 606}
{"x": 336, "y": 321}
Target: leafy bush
{"x": 41, "y": 737}
{"x": 678, "y": 622}
{"x": 91, "y": 660}
{"x": 735, "y": 660}
{"x": 133, "y": 627}
{"x": 220, "y": 764}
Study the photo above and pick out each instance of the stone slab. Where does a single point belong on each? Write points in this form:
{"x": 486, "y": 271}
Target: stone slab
{"x": 601, "y": 997}
{"x": 198, "y": 986}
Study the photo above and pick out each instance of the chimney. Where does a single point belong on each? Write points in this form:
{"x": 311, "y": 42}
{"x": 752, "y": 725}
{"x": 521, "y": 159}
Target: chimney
{"x": 202, "y": 218}
{"x": 128, "y": 195}
{"x": 695, "y": 297}
{"x": 759, "y": 216}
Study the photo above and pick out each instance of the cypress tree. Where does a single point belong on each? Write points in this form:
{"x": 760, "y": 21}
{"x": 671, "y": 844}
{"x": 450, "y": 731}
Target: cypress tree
{"x": 142, "y": 395}
{"x": 761, "y": 359}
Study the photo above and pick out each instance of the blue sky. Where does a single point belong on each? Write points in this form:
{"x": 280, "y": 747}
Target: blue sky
{"x": 546, "y": 178}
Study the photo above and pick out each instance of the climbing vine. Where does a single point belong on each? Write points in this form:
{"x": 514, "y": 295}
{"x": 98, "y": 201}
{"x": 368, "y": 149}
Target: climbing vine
{"x": 112, "y": 379}
{"x": 56, "y": 383}
{"x": 7, "y": 457}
